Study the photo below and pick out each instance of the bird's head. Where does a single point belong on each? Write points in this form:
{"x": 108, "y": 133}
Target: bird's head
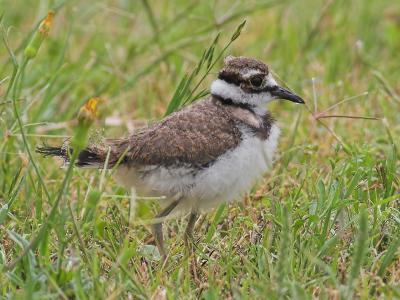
{"x": 247, "y": 81}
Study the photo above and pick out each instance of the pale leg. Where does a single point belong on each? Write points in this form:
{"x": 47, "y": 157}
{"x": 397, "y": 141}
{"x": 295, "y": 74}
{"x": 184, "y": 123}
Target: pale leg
{"x": 157, "y": 228}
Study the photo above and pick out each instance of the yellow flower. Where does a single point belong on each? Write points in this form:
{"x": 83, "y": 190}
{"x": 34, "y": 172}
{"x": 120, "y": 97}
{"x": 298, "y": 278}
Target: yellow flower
{"x": 45, "y": 25}
{"x": 89, "y": 110}
{"x": 86, "y": 116}
{"x": 38, "y": 37}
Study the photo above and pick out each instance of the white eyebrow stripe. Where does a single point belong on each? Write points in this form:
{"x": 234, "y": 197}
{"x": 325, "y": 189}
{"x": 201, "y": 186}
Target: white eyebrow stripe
{"x": 252, "y": 72}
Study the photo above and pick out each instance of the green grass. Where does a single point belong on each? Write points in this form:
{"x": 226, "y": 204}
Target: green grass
{"x": 324, "y": 223}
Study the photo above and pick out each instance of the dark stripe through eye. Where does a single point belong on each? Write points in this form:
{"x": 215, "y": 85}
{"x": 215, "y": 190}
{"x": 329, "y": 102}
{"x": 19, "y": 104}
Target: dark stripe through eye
{"x": 230, "y": 78}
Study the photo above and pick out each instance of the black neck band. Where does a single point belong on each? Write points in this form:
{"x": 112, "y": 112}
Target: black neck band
{"x": 229, "y": 101}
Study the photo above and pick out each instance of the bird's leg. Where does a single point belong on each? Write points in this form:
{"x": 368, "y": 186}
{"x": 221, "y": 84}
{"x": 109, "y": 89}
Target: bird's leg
{"x": 190, "y": 243}
{"x": 157, "y": 228}
{"x": 189, "y": 228}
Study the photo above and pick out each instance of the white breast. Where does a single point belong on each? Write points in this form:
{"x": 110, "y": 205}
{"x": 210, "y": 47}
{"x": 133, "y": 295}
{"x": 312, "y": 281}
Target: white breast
{"x": 226, "y": 180}
{"x": 236, "y": 172}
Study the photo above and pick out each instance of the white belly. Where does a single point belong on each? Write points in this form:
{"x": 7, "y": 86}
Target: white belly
{"x": 226, "y": 180}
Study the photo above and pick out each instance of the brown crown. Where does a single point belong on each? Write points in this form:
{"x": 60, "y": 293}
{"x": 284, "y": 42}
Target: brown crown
{"x": 235, "y": 67}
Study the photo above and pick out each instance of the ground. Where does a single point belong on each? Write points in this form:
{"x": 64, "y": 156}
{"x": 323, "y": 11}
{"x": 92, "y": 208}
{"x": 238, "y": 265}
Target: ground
{"x": 324, "y": 223}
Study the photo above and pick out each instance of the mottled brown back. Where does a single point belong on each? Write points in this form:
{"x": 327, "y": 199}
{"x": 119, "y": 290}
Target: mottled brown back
{"x": 195, "y": 135}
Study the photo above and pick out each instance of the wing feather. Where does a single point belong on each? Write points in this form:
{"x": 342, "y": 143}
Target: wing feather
{"x": 196, "y": 135}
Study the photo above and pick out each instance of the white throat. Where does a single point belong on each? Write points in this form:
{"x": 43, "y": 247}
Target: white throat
{"x": 230, "y": 91}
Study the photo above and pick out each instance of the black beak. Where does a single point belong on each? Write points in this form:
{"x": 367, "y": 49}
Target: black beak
{"x": 282, "y": 93}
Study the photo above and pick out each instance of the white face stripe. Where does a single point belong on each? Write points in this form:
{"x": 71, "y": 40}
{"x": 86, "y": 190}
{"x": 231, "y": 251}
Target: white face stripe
{"x": 271, "y": 81}
{"x": 231, "y": 91}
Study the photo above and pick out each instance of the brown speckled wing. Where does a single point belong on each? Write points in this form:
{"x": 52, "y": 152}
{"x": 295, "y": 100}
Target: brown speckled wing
{"x": 195, "y": 135}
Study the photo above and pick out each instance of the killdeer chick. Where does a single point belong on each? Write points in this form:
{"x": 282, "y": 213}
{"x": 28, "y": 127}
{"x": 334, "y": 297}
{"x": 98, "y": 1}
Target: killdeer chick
{"x": 210, "y": 152}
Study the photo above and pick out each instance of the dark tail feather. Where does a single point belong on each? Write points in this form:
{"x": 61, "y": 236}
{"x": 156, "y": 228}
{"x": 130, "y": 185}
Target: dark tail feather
{"x": 87, "y": 158}
{"x": 52, "y": 151}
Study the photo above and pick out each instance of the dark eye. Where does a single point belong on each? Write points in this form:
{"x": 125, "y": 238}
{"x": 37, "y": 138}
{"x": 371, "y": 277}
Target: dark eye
{"x": 256, "y": 81}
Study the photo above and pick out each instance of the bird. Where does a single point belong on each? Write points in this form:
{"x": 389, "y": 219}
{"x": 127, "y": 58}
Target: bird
{"x": 210, "y": 152}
